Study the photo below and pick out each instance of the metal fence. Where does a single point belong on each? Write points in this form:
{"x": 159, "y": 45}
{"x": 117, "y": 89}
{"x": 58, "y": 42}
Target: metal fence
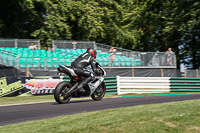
{"x": 191, "y": 73}
{"x": 105, "y": 48}
{"x": 154, "y": 59}
{"x": 65, "y": 44}
{"x": 18, "y": 43}
{"x": 143, "y": 59}
{"x": 123, "y": 58}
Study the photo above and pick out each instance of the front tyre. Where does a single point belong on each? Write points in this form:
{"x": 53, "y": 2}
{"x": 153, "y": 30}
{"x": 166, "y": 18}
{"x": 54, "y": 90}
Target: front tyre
{"x": 99, "y": 92}
{"x": 60, "y": 92}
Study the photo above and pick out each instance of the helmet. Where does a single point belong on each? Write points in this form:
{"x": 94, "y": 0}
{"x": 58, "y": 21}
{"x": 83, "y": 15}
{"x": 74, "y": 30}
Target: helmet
{"x": 93, "y": 52}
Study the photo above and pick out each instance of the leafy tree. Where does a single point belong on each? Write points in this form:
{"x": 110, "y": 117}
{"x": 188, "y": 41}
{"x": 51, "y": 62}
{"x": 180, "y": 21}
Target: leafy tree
{"x": 140, "y": 25}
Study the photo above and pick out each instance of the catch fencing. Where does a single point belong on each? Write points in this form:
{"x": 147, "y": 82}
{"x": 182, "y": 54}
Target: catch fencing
{"x": 18, "y": 43}
{"x": 65, "y": 44}
{"x": 191, "y": 73}
{"x": 123, "y": 59}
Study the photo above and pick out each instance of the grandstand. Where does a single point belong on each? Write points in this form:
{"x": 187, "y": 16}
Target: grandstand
{"x": 38, "y": 59}
{"x": 18, "y": 55}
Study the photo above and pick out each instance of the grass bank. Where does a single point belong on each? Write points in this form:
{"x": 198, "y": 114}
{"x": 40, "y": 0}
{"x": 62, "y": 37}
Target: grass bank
{"x": 176, "y": 117}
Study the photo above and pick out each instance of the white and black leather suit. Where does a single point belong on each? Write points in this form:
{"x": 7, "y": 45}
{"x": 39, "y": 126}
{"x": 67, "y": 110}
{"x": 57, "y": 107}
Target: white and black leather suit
{"x": 79, "y": 65}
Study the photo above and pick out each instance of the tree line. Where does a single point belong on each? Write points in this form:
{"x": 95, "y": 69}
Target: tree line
{"x": 139, "y": 25}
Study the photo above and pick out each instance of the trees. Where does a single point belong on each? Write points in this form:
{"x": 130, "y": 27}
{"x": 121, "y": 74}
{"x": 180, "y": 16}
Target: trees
{"x": 163, "y": 24}
{"x": 140, "y": 25}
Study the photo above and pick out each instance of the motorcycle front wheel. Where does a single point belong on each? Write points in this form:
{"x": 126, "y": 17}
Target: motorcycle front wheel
{"x": 99, "y": 92}
{"x": 60, "y": 92}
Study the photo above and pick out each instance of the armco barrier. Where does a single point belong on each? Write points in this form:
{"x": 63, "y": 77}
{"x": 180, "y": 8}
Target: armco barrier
{"x": 14, "y": 86}
{"x": 111, "y": 85}
{"x": 142, "y": 85}
{"x": 185, "y": 84}
{"x": 110, "y": 82}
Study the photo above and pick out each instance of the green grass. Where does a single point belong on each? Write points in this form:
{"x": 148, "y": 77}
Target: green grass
{"x": 32, "y": 99}
{"x": 25, "y": 99}
{"x": 176, "y": 117}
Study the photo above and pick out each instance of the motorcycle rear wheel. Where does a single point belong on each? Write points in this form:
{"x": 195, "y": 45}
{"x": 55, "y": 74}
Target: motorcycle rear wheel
{"x": 60, "y": 92}
{"x": 99, "y": 92}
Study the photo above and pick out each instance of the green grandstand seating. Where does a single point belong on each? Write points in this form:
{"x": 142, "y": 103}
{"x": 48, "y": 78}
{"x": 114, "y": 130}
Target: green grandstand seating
{"x": 11, "y": 60}
{"x": 29, "y": 62}
{"x": 14, "y": 50}
{"x": 67, "y": 62}
{"x": 61, "y": 61}
{"x": 122, "y": 63}
{"x": 68, "y": 51}
{"x": 106, "y": 63}
{"x": 41, "y": 60}
{"x": 36, "y": 62}
{"x": 116, "y": 64}
{"x": 136, "y": 62}
{"x": 42, "y": 65}
{"x": 30, "y": 55}
{"x": 22, "y": 60}
{"x": 101, "y": 63}
{"x": 36, "y": 65}
{"x": 57, "y": 50}
{"x": 42, "y": 55}
{"x": 116, "y": 59}
{"x": 120, "y": 59}
{"x": 54, "y": 60}
{"x": 62, "y": 50}
{"x": 48, "y": 60}
{"x": 23, "y": 65}
{"x": 99, "y": 59}
{"x": 128, "y": 64}
{"x": 55, "y": 65}
{"x": 49, "y": 65}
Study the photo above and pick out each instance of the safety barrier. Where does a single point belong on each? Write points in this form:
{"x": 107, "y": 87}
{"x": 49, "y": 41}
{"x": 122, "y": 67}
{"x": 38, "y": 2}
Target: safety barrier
{"x": 111, "y": 85}
{"x": 110, "y": 82}
{"x": 14, "y": 86}
{"x": 42, "y": 85}
{"x": 142, "y": 85}
{"x": 185, "y": 84}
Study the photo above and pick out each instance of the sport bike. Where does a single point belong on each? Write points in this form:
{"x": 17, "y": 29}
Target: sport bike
{"x": 64, "y": 91}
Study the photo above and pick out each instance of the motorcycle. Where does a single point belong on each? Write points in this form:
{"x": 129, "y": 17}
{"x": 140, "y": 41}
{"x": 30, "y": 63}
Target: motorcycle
{"x": 64, "y": 91}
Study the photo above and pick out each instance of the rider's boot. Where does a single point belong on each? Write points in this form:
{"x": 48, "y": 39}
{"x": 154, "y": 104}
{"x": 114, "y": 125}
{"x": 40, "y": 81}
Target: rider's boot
{"x": 84, "y": 82}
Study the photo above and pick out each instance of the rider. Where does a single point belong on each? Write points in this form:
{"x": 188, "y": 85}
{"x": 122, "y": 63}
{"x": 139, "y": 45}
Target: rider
{"x": 80, "y": 63}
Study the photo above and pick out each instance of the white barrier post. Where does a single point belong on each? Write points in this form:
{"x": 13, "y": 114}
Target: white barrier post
{"x": 142, "y": 85}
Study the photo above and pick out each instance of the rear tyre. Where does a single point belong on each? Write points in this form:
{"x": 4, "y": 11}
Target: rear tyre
{"x": 99, "y": 92}
{"x": 60, "y": 92}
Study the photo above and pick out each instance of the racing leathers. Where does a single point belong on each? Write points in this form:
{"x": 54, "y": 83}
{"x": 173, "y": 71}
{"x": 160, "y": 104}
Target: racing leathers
{"x": 79, "y": 65}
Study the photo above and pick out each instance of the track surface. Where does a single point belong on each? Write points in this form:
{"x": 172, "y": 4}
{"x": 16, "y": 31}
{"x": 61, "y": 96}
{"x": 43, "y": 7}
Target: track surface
{"x": 22, "y": 113}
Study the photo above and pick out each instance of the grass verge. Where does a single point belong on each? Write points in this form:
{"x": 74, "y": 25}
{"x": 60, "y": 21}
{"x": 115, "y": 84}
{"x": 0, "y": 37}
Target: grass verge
{"x": 175, "y": 117}
{"x": 32, "y": 99}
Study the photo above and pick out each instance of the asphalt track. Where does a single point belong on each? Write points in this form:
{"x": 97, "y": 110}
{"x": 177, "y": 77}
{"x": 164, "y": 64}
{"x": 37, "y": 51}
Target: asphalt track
{"x": 21, "y": 113}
